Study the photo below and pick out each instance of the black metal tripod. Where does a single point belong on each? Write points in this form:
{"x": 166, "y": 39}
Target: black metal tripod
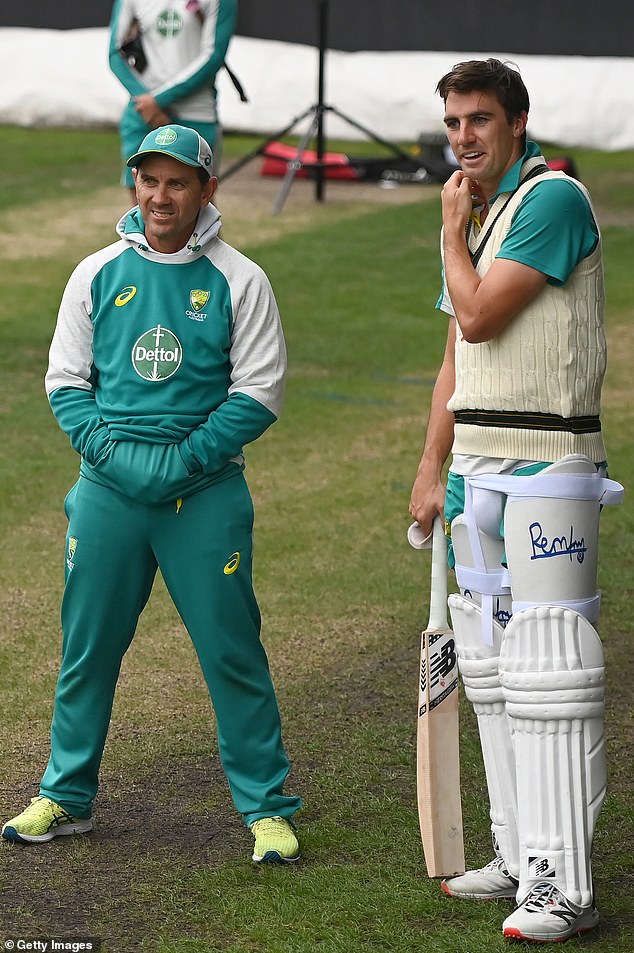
{"x": 314, "y": 131}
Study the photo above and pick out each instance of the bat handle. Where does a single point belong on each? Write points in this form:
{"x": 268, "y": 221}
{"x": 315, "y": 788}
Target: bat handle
{"x": 438, "y": 593}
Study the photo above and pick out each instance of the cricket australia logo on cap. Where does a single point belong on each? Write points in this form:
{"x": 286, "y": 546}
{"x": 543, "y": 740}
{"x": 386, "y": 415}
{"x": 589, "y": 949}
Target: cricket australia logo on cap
{"x": 157, "y": 354}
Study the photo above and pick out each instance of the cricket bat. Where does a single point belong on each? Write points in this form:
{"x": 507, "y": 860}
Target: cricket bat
{"x": 437, "y": 735}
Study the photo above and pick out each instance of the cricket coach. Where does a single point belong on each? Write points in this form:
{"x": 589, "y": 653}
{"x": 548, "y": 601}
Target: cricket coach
{"x": 167, "y": 358}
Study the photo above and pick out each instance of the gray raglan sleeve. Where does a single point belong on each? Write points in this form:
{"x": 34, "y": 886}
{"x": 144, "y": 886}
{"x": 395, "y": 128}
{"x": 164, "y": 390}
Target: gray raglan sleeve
{"x": 258, "y": 375}
{"x": 68, "y": 380}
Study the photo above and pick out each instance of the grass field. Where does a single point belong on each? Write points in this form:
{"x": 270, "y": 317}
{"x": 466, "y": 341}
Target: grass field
{"x": 167, "y": 869}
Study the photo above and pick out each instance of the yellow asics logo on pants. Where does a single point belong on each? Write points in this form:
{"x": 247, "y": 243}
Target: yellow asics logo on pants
{"x": 232, "y": 565}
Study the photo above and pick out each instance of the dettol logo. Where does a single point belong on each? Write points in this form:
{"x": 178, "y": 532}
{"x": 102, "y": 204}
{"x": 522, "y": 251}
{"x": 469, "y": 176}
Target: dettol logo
{"x": 157, "y": 354}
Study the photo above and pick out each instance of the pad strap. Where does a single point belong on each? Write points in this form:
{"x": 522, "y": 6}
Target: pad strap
{"x": 560, "y": 486}
{"x": 589, "y": 608}
{"x": 488, "y": 582}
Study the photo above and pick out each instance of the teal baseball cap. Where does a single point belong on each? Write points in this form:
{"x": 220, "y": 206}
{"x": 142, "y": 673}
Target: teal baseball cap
{"x": 181, "y": 143}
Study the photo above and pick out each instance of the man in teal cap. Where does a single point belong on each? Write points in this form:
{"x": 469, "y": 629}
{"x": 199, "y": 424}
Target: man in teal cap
{"x": 167, "y": 358}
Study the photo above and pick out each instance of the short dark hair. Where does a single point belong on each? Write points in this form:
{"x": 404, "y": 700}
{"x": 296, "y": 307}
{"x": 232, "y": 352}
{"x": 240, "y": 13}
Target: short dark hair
{"x": 501, "y": 79}
{"x": 204, "y": 176}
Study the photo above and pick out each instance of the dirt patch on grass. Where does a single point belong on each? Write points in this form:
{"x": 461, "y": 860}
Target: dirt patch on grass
{"x": 172, "y": 821}
{"x": 93, "y": 885}
{"x": 246, "y": 200}
{"x": 137, "y": 876}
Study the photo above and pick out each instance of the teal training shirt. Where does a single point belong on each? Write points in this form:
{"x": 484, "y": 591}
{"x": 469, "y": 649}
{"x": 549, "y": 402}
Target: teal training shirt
{"x": 552, "y": 230}
{"x": 162, "y": 367}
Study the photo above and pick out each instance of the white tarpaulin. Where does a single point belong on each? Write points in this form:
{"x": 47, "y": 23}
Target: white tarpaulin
{"x": 62, "y": 78}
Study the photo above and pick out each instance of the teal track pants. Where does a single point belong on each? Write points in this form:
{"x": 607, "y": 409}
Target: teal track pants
{"x": 203, "y": 549}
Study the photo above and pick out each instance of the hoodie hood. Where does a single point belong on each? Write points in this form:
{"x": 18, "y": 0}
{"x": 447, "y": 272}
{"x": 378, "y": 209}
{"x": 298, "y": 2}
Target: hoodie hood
{"x": 131, "y": 229}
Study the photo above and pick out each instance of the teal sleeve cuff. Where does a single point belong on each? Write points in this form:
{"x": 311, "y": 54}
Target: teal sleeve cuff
{"x": 77, "y": 414}
{"x": 236, "y": 422}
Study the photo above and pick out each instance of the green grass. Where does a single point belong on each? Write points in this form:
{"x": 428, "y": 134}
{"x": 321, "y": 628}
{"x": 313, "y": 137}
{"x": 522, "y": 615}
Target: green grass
{"x": 343, "y": 600}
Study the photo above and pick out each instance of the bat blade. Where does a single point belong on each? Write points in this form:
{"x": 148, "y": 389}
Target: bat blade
{"x": 437, "y": 734}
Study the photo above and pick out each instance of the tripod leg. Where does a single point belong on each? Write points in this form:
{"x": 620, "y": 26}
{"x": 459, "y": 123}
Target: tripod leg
{"x": 260, "y": 149}
{"x": 294, "y": 165}
{"x": 368, "y": 132}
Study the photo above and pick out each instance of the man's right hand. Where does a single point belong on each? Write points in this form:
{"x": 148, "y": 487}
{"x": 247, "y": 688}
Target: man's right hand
{"x": 150, "y": 111}
{"x": 427, "y": 500}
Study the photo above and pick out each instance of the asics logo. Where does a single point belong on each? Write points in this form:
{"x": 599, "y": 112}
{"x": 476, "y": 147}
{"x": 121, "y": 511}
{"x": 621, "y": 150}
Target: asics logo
{"x": 232, "y": 565}
{"x": 126, "y": 295}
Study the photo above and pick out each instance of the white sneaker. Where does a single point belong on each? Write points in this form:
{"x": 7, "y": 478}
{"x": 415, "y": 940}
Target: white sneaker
{"x": 492, "y": 882}
{"x": 547, "y": 915}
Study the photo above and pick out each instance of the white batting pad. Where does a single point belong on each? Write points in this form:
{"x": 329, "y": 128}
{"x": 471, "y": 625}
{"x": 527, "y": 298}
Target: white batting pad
{"x": 552, "y": 675}
{"x": 478, "y": 666}
{"x": 551, "y": 531}
{"x": 552, "y": 549}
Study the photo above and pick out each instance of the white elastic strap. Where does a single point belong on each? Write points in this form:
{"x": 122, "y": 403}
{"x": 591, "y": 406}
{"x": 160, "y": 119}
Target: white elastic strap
{"x": 590, "y": 609}
{"x": 487, "y": 583}
{"x": 560, "y": 486}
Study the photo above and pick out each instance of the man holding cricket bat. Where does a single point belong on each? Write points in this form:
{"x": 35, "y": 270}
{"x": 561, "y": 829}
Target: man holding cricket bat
{"x": 517, "y": 403}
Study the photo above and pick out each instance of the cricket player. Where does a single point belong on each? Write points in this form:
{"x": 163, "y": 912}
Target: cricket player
{"x": 167, "y": 358}
{"x": 517, "y": 404}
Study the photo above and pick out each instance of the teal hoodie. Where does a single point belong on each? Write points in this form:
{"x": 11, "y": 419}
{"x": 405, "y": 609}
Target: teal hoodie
{"x": 162, "y": 367}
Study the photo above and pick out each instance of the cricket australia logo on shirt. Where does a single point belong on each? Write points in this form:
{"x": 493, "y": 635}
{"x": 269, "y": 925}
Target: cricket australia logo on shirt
{"x": 198, "y": 299}
{"x": 157, "y": 354}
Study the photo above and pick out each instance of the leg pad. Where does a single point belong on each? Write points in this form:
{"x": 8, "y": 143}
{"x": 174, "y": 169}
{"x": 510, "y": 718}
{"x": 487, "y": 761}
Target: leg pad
{"x": 552, "y": 676}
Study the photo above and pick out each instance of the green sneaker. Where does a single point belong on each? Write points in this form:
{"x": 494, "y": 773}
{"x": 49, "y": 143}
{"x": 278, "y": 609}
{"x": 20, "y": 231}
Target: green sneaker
{"x": 43, "y": 820}
{"x": 275, "y": 841}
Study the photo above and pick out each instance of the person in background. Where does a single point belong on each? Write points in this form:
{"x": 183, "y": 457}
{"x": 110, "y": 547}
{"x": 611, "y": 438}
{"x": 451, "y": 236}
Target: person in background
{"x": 167, "y": 58}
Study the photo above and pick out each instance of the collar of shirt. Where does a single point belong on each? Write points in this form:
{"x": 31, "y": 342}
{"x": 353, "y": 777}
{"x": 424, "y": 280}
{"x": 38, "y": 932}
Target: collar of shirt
{"x": 511, "y": 179}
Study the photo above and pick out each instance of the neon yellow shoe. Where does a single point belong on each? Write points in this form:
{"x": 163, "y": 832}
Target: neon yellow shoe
{"x": 275, "y": 841}
{"x": 43, "y": 820}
